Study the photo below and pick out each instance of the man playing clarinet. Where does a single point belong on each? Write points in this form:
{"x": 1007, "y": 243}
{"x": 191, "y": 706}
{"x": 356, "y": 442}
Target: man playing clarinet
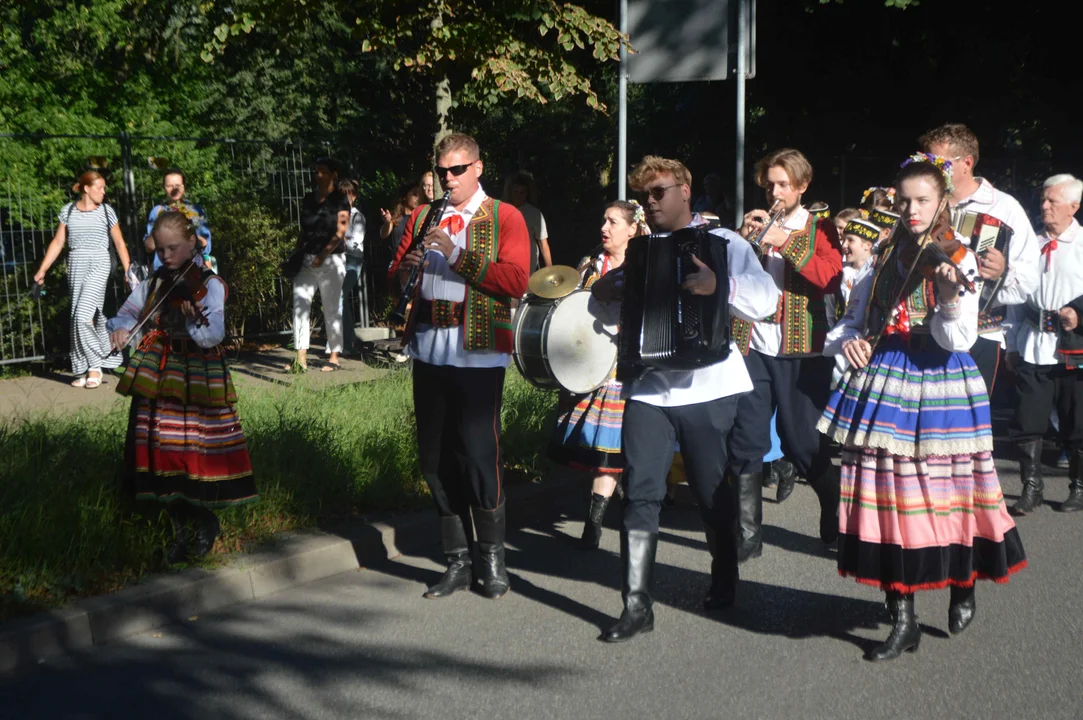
{"x": 459, "y": 334}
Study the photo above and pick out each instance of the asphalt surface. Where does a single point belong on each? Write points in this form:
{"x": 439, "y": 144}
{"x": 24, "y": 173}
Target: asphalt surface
{"x": 366, "y": 645}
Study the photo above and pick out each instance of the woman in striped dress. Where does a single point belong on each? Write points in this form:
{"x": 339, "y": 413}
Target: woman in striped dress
{"x": 185, "y": 446}
{"x": 587, "y": 435}
{"x": 87, "y": 225}
{"x": 921, "y": 506}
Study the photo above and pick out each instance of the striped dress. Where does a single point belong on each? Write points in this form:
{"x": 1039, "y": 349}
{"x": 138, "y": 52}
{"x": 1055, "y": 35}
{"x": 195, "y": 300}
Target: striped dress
{"x": 88, "y": 277}
{"x": 587, "y": 434}
{"x": 185, "y": 440}
{"x": 921, "y": 505}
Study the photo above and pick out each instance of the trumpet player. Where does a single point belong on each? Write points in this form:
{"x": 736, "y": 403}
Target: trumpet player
{"x": 784, "y": 351}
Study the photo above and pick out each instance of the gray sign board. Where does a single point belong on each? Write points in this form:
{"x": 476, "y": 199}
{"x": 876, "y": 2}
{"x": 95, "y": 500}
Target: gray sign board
{"x": 678, "y": 40}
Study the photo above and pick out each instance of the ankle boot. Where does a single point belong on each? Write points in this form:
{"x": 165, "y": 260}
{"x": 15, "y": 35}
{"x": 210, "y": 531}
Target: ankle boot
{"x": 786, "y": 478}
{"x": 827, "y": 491}
{"x": 205, "y": 530}
{"x": 458, "y": 575}
{"x": 1030, "y": 470}
{"x": 724, "y": 574}
{"x": 905, "y": 635}
{"x": 749, "y": 516}
{"x": 592, "y": 528}
{"x": 1075, "y": 487}
{"x": 637, "y": 550}
{"x": 962, "y": 608}
{"x": 491, "y": 573}
{"x": 179, "y": 517}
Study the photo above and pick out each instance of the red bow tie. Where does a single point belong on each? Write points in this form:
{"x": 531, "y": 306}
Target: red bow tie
{"x": 453, "y": 224}
{"x": 1048, "y": 252}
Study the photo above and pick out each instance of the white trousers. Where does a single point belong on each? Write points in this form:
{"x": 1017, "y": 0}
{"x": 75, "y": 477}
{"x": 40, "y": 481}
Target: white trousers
{"x": 328, "y": 280}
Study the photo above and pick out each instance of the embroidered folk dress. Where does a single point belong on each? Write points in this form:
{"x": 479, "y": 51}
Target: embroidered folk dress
{"x": 587, "y": 434}
{"x": 921, "y": 505}
{"x": 185, "y": 440}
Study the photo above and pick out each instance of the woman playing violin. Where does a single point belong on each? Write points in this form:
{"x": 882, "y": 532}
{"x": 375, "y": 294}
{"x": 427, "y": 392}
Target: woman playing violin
{"x": 921, "y": 506}
{"x": 185, "y": 447}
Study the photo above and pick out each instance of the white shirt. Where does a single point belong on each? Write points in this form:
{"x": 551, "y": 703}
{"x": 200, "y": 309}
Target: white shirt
{"x": 954, "y": 327}
{"x": 753, "y": 295}
{"x": 1058, "y": 285}
{"x": 444, "y": 346}
{"x": 851, "y": 277}
{"x": 1021, "y": 277}
{"x": 355, "y": 234}
{"x": 767, "y": 337}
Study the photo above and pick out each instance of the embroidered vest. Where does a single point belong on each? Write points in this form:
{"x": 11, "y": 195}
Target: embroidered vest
{"x": 887, "y": 289}
{"x": 801, "y": 309}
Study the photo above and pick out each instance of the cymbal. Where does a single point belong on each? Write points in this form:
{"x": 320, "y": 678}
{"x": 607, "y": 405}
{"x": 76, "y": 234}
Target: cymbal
{"x": 554, "y": 282}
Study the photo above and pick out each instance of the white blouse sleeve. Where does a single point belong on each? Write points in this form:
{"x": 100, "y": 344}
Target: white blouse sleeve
{"x": 852, "y": 324}
{"x": 214, "y": 308}
{"x": 128, "y": 315}
{"x": 955, "y": 326}
{"x": 753, "y": 293}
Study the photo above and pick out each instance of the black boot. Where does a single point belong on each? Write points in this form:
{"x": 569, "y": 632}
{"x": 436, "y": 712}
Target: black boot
{"x": 1075, "y": 487}
{"x": 962, "y": 608}
{"x": 637, "y": 550}
{"x": 592, "y": 528}
{"x": 179, "y": 517}
{"x": 787, "y": 478}
{"x": 827, "y": 490}
{"x": 456, "y": 544}
{"x": 204, "y": 532}
{"x": 770, "y": 477}
{"x": 724, "y": 573}
{"x": 491, "y": 573}
{"x": 905, "y": 635}
{"x": 749, "y": 516}
{"x": 1030, "y": 470}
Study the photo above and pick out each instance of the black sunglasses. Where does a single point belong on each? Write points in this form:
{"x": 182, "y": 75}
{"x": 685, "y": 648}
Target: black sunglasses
{"x": 455, "y": 170}
{"x": 657, "y": 192}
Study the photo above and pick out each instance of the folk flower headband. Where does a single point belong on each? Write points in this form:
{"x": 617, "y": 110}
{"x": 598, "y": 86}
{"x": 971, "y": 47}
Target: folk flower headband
{"x": 640, "y": 216}
{"x": 889, "y": 190}
{"x": 940, "y": 163}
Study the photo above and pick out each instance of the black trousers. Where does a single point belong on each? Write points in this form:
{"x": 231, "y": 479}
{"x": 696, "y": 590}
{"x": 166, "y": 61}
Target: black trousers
{"x": 1042, "y": 388}
{"x": 458, "y": 436}
{"x": 648, "y": 435}
{"x": 799, "y": 389}
{"x": 986, "y": 354}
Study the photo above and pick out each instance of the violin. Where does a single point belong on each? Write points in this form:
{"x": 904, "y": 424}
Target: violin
{"x": 944, "y": 246}
{"x": 186, "y": 285}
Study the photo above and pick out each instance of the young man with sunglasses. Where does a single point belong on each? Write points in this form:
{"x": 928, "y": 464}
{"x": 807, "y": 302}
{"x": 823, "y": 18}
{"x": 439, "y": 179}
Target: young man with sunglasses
{"x": 459, "y": 334}
{"x": 784, "y": 352}
{"x": 693, "y": 409}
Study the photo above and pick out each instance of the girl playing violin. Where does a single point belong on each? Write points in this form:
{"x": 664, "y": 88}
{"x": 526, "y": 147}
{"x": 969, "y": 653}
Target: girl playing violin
{"x": 185, "y": 447}
{"x": 921, "y": 506}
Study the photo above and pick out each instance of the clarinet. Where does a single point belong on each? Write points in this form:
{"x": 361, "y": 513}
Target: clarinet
{"x": 409, "y": 289}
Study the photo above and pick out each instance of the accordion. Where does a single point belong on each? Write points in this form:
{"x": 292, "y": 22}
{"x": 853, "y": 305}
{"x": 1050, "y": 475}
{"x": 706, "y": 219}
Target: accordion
{"x": 661, "y": 325}
{"x": 984, "y": 232}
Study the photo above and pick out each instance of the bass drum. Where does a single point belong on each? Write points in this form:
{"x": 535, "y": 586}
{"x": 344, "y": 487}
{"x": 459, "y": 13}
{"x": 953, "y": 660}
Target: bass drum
{"x": 569, "y": 343}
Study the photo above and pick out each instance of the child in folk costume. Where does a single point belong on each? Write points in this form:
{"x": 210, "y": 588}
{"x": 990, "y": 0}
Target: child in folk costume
{"x": 185, "y": 447}
{"x": 587, "y": 435}
{"x": 921, "y": 506}
{"x": 858, "y": 238}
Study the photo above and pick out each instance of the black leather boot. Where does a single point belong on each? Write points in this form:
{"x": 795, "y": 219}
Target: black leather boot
{"x": 491, "y": 573}
{"x": 827, "y": 490}
{"x": 637, "y": 550}
{"x": 204, "y": 532}
{"x": 749, "y": 516}
{"x": 179, "y": 517}
{"x": 724, "y": 573}
{"x": 592, "y": 528}
{"x": 962, "y": 608}
{"x": 905, "y": 635}
{"x": 456, "y": 544}
{"x": 787, "y": 478}
{"x": 1075, "y": 487}
{"x": 1030, "y": 471}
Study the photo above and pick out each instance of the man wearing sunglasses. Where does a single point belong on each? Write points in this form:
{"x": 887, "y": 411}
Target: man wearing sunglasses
{"x": 459, "y": 334}
{"x": 784, "y": 352}
{"x": 694, "y": 410}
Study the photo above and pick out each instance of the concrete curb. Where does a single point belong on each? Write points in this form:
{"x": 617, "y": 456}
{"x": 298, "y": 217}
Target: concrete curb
{"x": 292, "y": 559}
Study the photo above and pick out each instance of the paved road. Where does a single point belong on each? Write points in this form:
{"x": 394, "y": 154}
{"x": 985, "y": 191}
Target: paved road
{"x": 365, "y": 645}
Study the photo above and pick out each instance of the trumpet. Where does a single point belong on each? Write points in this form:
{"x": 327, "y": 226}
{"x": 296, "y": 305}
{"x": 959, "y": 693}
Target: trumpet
{"x": 775, "y": 213}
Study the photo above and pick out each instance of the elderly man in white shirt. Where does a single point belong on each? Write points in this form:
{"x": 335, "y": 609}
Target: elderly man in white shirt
{"x": 694, "y": 409}
{"x": 1018, "y": 273}
{"x": 1045, "y": 348}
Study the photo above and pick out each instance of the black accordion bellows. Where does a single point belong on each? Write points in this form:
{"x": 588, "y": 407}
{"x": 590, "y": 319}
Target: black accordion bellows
{"x": 661, "y": 325}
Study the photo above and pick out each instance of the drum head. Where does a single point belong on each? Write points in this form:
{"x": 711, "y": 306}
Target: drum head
{"x": 582, "y": 342}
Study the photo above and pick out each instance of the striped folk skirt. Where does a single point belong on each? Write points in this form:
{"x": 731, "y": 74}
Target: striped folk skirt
{"x": 185, "y": 440}
{"x": 921, "y": 505}
{"x": 587, "y": 434}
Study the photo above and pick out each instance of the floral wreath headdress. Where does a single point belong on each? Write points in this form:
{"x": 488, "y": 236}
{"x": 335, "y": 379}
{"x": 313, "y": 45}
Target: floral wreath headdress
{"x": 640, "y": 216}
{"x": 194, "y": 218}
{"x": 889, "y": 190}
{"x": 940, "y": 163}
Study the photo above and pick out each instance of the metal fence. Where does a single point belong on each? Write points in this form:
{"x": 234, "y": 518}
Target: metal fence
{"x": 36, "y": 175}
